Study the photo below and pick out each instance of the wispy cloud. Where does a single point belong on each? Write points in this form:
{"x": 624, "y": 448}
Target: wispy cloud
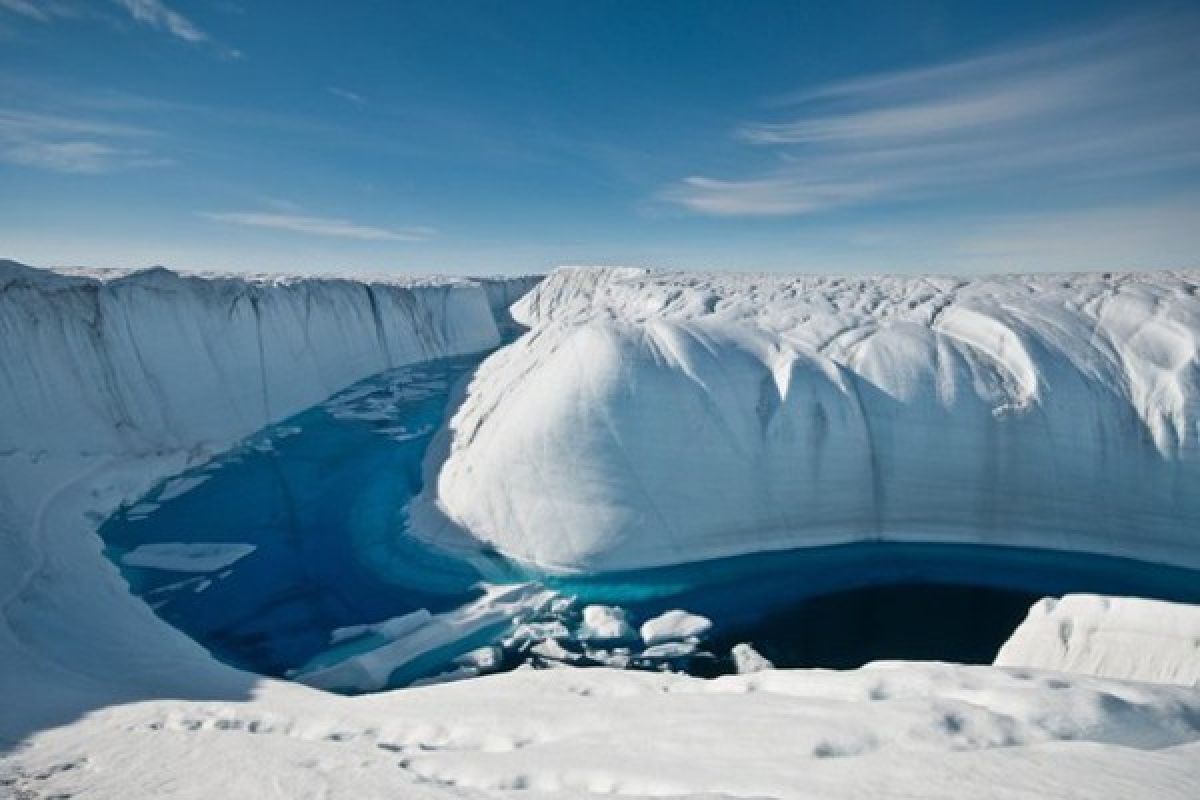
{"x": 157, "y": 15}
{"x": 72, "y": 144}
{"x": 151, "y": 13}
{"x": 1125, "y": 98}
{"x": 42, "y": 10}
{"x": 346, "y": 94}
{"x": 320, "y": 226}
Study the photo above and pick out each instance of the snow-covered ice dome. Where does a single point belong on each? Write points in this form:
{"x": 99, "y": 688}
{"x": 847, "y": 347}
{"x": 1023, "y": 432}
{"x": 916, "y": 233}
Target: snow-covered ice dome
{"x": 652, "y": 418}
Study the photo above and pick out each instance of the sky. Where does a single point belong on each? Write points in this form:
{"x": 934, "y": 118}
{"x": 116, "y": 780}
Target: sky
{"x": 946, "y": 136}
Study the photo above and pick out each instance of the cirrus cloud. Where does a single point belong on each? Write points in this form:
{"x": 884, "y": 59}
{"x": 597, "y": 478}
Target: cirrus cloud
{"x": 1121, "y": 100}
{"x": 320, "y": 226}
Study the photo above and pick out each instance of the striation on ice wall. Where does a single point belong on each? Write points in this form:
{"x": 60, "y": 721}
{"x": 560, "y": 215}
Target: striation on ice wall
{"x": 121, "y": 362}
{"x": 653, "y": 418}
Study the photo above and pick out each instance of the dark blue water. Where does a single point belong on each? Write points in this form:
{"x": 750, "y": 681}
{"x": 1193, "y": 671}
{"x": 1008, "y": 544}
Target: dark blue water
{"x": 843, "y": 606}
{"x": 322, "y": 498}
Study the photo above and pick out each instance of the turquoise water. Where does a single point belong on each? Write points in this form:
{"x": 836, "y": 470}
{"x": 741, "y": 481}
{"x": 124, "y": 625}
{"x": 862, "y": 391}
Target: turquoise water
{"x": 321, "y": 496}
{"x": 322, "y": 499}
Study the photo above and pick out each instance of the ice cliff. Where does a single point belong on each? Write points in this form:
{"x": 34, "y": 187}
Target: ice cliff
{"x": 122, "y": 362}
{"x": 651, "y": 418}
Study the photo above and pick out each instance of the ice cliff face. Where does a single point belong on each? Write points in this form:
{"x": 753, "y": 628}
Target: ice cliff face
{"x": 656, "y": 418}
{"x": 117, "y": 363}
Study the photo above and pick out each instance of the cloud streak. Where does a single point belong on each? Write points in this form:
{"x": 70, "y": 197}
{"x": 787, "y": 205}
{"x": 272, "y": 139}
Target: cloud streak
{"x": 320, "y": 226}
{"x": 1121, "y": 99}
{"x": 42, "y": 10}
{"x": 72, "y": 144}
{"x": 346, "y": 94}
{"x": 157, "y": 15}
{"x": 154, "y": 14}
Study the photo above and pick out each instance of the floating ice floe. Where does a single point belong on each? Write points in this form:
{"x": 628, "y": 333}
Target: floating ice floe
{"x": 674, "y": 626}
{"x": 187, "y": 556}
{"x": 604, "y": 623}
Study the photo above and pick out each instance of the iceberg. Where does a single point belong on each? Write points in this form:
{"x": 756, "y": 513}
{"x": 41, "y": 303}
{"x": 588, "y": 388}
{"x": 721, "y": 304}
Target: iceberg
{"x": 649, "y": 418}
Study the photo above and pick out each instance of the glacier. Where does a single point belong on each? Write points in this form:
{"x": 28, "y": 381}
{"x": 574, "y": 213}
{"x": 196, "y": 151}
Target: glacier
{"x": 656, "y": 418}
{"x": 115, "y": 381}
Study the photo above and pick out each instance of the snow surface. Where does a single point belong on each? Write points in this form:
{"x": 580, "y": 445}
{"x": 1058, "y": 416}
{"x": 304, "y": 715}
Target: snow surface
{"x": 653, "y": 418}
{"x": 1117, "y": 637}
{"x": 102, "y": 699}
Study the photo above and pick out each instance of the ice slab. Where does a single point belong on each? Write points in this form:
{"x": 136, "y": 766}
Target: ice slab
{"x": 187, "y": 556}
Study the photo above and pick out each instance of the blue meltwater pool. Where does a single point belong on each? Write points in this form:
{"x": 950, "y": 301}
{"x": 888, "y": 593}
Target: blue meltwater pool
{"x": 290, "y": 556}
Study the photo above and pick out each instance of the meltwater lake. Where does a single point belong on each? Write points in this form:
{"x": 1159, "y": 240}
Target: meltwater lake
{"x": 284, "y": 554}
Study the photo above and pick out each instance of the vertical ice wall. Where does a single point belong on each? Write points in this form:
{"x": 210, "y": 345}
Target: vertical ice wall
{"x": 154, "y": 360}
{"x": 654, "y": 418}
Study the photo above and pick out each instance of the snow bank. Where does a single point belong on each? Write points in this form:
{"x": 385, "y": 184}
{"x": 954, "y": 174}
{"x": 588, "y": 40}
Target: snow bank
{"x": 930, "y": 731}
{"x": 1128, "y": 638}
{"x": 657, "y": 418}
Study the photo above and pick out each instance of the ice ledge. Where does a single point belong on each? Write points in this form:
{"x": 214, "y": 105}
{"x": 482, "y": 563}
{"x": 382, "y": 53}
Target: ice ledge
{"x": 1125, "y": 638}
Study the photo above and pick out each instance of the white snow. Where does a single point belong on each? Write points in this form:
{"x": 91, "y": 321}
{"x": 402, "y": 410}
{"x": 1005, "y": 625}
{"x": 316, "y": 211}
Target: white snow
{"x": 653, "y": 418}
{"x": 888, "y": 730}
{"x": 674, "y": 626}
{"x": 604, "y": 623}
{"x": 187, "y": 556}
{"x": 1114, "y": 637}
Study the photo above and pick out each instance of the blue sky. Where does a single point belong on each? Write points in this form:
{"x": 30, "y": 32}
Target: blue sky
{"x": 478, "y": 137}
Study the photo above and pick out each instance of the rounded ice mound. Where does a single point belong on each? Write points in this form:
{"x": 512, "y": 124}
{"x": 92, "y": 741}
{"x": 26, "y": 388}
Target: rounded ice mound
{"x": 674, "y": 626}
{"x": 653, "y": 419}
{"x": 604, "y": 624}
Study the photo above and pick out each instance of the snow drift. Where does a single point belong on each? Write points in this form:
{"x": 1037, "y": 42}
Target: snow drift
{"x": 658, "y": 418}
